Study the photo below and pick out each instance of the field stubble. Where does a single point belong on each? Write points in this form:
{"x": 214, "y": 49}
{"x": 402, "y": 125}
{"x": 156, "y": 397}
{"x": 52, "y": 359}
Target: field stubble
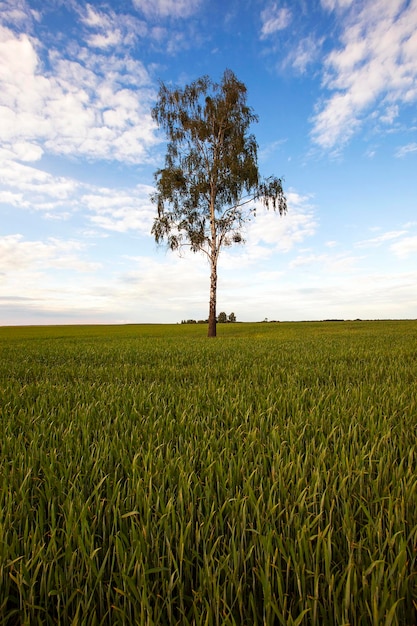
{"x": 150, "y": 476}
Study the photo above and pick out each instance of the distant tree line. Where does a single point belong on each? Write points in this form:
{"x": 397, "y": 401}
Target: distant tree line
{"x": 222, "y": 318}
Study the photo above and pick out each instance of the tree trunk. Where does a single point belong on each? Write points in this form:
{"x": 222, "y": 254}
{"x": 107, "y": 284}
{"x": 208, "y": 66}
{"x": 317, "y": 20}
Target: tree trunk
{"x": 213, "y": 296}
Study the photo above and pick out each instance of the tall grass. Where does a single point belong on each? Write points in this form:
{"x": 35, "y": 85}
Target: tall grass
{"x": 149, "y": 476}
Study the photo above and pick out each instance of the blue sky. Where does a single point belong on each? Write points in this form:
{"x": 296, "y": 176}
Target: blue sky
{"x": 334, "y": 83}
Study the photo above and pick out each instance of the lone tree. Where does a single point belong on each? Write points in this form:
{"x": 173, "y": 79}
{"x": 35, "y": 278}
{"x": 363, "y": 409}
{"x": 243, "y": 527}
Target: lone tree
{"x": 205, "y": 192}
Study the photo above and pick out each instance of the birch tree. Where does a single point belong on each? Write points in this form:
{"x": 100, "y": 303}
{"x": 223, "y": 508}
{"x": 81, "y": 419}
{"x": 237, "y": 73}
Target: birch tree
{"x": 210, "y": 183}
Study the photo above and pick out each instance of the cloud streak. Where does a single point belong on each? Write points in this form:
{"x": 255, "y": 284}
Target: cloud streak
{"x": 274, "y": 19}
{"x": 404, "y": 151}
{"x": 167, "y": 8}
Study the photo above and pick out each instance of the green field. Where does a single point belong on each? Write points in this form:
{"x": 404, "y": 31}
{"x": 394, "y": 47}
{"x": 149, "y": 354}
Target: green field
{"x": 149, "y": 475}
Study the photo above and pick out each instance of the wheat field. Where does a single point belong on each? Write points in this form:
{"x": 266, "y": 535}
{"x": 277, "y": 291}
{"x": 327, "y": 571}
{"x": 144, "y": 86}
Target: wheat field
{"x": 151, "y": 476}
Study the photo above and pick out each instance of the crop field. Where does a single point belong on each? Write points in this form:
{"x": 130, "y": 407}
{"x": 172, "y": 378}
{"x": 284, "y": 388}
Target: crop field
{"x": 151, "y": 476}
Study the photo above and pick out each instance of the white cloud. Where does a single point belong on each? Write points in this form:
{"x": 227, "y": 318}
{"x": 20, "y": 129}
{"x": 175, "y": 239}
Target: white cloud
{"x": 94, "y": 18}
{"x": 120, "y": 32}
{"x": 390, "y": 114}
{"x": 330, "y": 263}
{"x": 12, "y": 198}
{"x": 336, "y": 4}
{"x": 105, "y": 40}
{"x": 375, "y": 66}
{"x": 269, "y": 233}
{"x": 121, "y": 211}
{"x": 18, "y": 254}
{"x": 402, "y": 242}
{"x": 282, "y": 233}
{"x": 274, "y": 19}
{"x": 268, "y": 149}
{"x": 404, "y": 247}
{"x": 351, "y": 293}
{"x": 305, "y": 53}
{"x": 115, "y": 209}
{"x": 25, "y": 186}
{"x": 26, "y": 151}
{"x": 17, "y": 13}
{"x": 167, "y": 8}
{"x": 167, "y": 282}
{"x": 111, "y": 29}
{"x": 365, "y": 295}
{"x": 405, "y": 150}
{"x": 46, "y": 280}
{"x": 50, "y": 281}
{"x": 93, "y": 106}
{"x": 377, "y": 241}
